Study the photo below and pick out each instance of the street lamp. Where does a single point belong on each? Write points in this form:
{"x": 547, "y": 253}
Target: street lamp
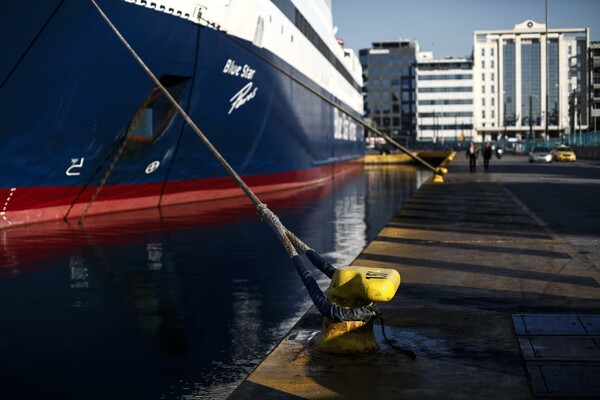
{"x": 504, "y": 111}
{"x": 547, "y": 80}
{"x": 531, "y": 96}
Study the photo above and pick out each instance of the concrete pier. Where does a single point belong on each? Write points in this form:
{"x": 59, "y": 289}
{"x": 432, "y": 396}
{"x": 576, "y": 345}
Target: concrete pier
{"x": 500, "y": 295}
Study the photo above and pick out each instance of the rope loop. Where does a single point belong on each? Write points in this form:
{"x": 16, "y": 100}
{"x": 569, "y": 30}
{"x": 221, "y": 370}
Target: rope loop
{"x": 327, "y": 309}
{"x": 275, "y": 223}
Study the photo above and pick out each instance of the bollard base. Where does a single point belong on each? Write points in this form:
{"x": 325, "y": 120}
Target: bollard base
{"x": 346, "y": 337}
{"x": 437, "y": 178}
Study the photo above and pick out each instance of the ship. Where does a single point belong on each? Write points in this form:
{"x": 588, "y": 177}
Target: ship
{"x": 85, "y": 131}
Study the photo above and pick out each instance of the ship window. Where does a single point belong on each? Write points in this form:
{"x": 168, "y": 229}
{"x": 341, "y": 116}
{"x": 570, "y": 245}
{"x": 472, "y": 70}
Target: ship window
{"x": 153, "y": 118}
{"x": 259, "y": 31}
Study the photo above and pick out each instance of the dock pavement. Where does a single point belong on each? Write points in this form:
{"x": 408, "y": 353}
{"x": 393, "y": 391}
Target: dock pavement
{"x": 499, "y": 299}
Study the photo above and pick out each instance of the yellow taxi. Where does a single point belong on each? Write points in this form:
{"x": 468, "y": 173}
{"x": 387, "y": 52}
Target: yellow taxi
{"x": 563, "y": 153}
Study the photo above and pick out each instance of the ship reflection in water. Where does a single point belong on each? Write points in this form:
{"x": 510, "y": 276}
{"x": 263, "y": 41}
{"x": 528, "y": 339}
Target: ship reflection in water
{"x": 181, "y": 302}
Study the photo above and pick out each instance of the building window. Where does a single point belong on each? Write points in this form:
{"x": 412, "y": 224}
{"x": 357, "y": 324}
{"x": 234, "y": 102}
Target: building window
{"x": 553, "y": 86}
{"x": 483, "y": 101}
{"x": 493, "y": 102}
{"x": 483, "y": 77}
{"x": 483, "y": 64}
{"x": 483, "y": 51}
{"x": 492, "y": 76}
{"x": 492, "y": 52}
{"x": 509, "y": 76}
{"x": 530, "y": 82}
{"x": 482, "y": 88}
{"x": 492, "y": 89}
{"x": 483, "y": 114}
{"x": 493, "y": 114}
{"x": 492, "y": 64}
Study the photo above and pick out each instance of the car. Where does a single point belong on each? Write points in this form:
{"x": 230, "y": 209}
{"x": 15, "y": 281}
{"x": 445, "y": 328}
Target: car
{"x": 540, "y": 154}
{"x": 563, "y": 153}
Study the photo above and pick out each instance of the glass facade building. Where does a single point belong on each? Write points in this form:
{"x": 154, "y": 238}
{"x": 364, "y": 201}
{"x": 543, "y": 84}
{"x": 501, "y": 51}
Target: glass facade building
{"x": 389, "y": 86}
{"x": 553, "y": 85}
{"x": 595, "y": 82}
{"x": 530, "y": 82}
{"x": 509, "y": 75}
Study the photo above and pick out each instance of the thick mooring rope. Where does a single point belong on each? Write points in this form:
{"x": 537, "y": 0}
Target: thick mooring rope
{"x": 286, "y": 237}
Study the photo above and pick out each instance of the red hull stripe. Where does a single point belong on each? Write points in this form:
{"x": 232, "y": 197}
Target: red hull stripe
{"x": 37, "y": 204}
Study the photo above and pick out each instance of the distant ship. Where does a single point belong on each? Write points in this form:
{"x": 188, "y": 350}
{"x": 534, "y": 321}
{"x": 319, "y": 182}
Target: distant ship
{"x": 84, "y": 130}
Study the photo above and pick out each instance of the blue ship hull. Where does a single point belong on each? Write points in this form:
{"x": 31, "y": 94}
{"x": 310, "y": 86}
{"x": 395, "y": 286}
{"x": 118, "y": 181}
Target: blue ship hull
{"x": 71, "y": 96}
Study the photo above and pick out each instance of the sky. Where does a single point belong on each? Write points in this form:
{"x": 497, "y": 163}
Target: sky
{"x": 446, "y": 27}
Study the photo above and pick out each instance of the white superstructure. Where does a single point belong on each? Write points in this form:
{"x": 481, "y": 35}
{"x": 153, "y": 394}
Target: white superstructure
{"x": 272, "y": 25}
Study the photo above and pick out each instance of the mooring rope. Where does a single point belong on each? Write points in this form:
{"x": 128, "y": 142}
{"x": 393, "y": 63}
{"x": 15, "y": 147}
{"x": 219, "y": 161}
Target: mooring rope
{"x": 409, "y": 353}
{"x": 325, "y": 308}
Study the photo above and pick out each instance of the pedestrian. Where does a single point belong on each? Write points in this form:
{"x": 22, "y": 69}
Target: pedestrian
{"x": 472, "y": 152}
{"x": 487, "y": 154}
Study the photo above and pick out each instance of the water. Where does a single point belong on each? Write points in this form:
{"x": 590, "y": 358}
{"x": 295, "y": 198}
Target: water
{"x": 178, "y": 303}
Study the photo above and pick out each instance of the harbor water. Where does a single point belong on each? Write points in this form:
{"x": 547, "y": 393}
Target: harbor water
{"x": 181, "y": 302}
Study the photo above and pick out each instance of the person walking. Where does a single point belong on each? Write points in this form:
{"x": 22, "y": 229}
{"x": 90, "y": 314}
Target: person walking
{"x": 487, "y": 154}
{"x": 472, "y": 152}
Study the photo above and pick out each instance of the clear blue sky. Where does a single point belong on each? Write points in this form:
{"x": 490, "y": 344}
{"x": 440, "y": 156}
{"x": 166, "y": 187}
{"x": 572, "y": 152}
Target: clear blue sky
{"x": 446, "y": 26}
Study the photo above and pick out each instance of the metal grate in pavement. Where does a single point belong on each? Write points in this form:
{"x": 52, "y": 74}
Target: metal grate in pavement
{"x": 562, "y": 353}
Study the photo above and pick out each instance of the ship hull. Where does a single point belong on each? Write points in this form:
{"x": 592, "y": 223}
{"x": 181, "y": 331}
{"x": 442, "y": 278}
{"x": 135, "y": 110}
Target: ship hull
{"x": 84, "y": 129}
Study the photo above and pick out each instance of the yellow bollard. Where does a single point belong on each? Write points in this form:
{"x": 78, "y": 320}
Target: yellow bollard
{"x": 355, "y": 287}
{"x": 438, "y": 175}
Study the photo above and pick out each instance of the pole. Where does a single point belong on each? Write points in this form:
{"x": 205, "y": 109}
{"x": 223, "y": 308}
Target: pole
{"x": 530, "y": 120}
{"x": 504, "y": 112}
{"x": 434, "y": 129}
{"x": 456, "y": 129}
{"x": 547, "y": 73}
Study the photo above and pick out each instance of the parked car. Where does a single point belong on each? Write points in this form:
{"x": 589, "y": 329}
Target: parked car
{"x": 563, "y": 153}
{"x": 540, "y": 154}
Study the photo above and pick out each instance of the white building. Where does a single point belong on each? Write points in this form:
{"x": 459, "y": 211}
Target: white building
{"x": 530, "y": 80}
{"x": 444, "y": 98}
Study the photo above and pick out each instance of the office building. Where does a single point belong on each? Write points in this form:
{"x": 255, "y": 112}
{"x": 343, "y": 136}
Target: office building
{"x": 595, "y": 86}
{"x": 389, "y": 86}
{"x": 444, "y": 98}
{"x": 530, "y": 81}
